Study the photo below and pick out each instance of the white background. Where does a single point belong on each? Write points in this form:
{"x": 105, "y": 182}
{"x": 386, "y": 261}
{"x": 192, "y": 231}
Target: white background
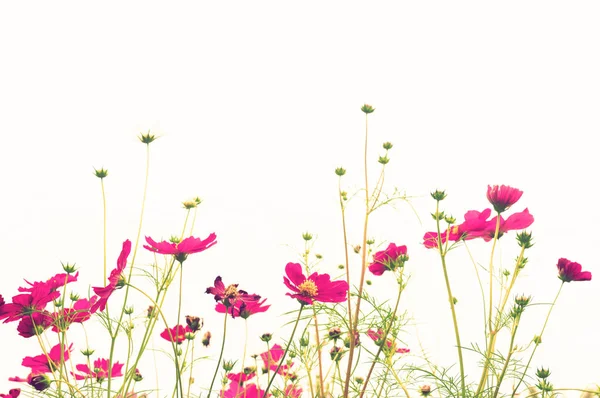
{"x": 257, "y": 103}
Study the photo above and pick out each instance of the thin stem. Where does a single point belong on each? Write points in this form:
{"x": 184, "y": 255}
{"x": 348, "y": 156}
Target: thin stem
{"x": 104, "y": 225}
{"x": 191, "y": 370}
{"x": 387, "y": 332}
{"x": 284, "y": 353}
{"x": 451, "y": 301}
{"x": 363, "y": 265}
{"x": 538, "y": 338}
{"x": 508, "y": 356}
{"x": 220, "y": 355}
{"x": 400, "y": 383}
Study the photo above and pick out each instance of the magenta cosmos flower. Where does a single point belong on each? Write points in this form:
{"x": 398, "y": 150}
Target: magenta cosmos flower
{"x": 237, "y": 390}
{"x": 181, "y": 250}
{"x": 47, "y": 363}
{"x": 271, "y": 360}
{"x": 100, "y": 371}
{"x": 115, "y": 280}
{"x": 243, "y": 309}
{"x": 176, "y": 334}
{"x": 232, "y": 298}
{"x": 389, "y": 259}
{"x": 317, "y": 287}
{"x": 377, "y": 337}
{"x": 569, "y": 271}
{"x": 12, "y": 393}
{"x": 503, "y": 196}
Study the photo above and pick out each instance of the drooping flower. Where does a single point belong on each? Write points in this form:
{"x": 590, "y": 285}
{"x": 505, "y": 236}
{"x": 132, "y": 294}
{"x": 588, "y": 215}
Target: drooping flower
{"x": 114, "y": 280}
{"x": 100, "y": 370}
{"x": 47, "y": 363}
{"x": 181, "y": 250}
{"x": 377, "y": 337}
{"x": 569, "y": 271}
{"x": 317, "y": 287}
{"x": 243, "y": 309}
{"x": 195, "y": 323}
{"x": 34, "y": 324}
{"x": 176, "y": 334}
{"x": 503, "y": 196}
{"x": 389, "y": 259}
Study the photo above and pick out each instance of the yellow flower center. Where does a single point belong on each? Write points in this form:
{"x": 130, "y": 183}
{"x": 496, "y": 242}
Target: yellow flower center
{"x": 308, "y": 288}
{"x": 231, "y": 291}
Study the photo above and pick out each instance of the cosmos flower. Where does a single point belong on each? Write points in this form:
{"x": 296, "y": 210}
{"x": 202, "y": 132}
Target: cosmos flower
{"x": 100, "y": 371}
{"x": 181, "y": 250}
{"x": 503, "y": 197}
{"x": 377, "y": 337}
{"x": 317, "y": 287}
{"x": 242, "y": 308}
{"x": 176, "y": 334}
{"x": 569, "y": 271}
{"x": 114, "y": 280}
{"x": 389, "y": 259}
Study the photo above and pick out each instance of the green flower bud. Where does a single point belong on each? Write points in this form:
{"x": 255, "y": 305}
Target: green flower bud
{"x": 147, "y": 138}
{"x": 387, "y": 146}
{"x": 307, "y": 236}
{"x": 102, "y": 173}
{"x": 542, "y": 373}
{"x": 438, "y": 195}
{"x": 384, "y": 160}
{"x": 366, "y": 108}
{"x": 340, "y": 171}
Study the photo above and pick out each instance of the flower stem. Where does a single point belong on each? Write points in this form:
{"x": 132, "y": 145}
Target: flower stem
{"x": 104, "y": 225}
{"x": 284, "y": 353}
{"x": 540, "y": 337}
{"x": 212, "y": 383}
{"x": 384, "y": 337}
{"x": 508, "y": 356}
{"x": 452, "y": 309}
{"x": 363, "y": 266}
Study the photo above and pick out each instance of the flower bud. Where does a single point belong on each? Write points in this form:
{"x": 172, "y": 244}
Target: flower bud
{"x": 307, "y": 236}
{"x": 189, "y": 204}
{"x": 128, "y": 310}
{"x": 537, "y": 339}
{"x": 525, "y": 239}
{"x": 522, "y": 300}
{"x": 87, "y": 352}
{"x": 336, "y": 353}
{"x": 366, "y": 108}
{"x": 318, "y": 256}
{"x": 542, "y": 373}
{"x": 69, "y": 268}
{"x": 449, "y": 219}
{"x": 425, "y": 390}
{"x": 249, "y": 369}
{"x": 438, "y": 215}
{"x": 74, "y": 296}
{"x": 102, "y": 173}
{"x": 369, "y": 282}
{"x": 335, "y": 333}
{"x": 266, "y": 337}
{"x": 341, "y": 266}
{"x": 340, "y": 171}
{"x": 359, "y": 380}
{"x": 137, "y": 376}
{"x": 304, "y": 341}
{"x": 356, "y": 249}
{"x": 383, "y": 160}
{"x": 387, "y": 146}
{"x": 370, "y": 241}
{"x": 228, "y": 365}
{"x": 147, "y": 138}
{"x": 438, "y": 195}
{"x": 40, "y": 382}
{"x": 206, "y": 339}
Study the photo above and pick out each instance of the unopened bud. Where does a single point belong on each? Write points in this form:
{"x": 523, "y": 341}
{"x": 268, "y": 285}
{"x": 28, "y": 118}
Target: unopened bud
{"x": 340, "y": 171}
{"x": 366, "y": 108}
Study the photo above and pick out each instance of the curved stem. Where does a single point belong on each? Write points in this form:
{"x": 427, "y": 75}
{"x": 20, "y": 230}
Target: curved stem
{"x": 284, "y": 353}
{"x": 212, "y": 383}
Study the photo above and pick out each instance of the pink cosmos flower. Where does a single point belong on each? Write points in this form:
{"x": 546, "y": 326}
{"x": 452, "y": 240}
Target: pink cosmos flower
{"x": 176, "y": 334}
{"x": 79, "y": 313}
{"x": 28, "y": 303}
{"x": 12, "y": 393}
{"x": 503, "y": 196}
{"x": 271, "y": 360}
{"x": 317, "y": 287}
{"x": 241, "y": 377}
{"x": 113, "y": 280}
{"x": 377, "y": 337}
{"x": 46, "y": 364}
{"x": 182, "y": 249}
{"x": 569, "y": 271}
{"x": 388, "y": 259}
{"x": 514, "y": 222}
{"x": 34, "y": 324}
{"x": 100, "y": 371}
{"x": 242, "y": 308}
{"x": 292, "y": 391}
{"x": 54, "y": 283}
{"x": 236, "y": 390}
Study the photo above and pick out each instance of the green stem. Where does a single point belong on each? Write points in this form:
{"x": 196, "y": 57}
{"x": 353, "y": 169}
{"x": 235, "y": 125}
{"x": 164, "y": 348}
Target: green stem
{"x": 451, "y": 300}
{"x": 220, "y": 355}
{"x": 104, "y": 225}
{"x": 540, "y": 338}
{"x": 284, "y": 353}
{"x": 508, "y": 356}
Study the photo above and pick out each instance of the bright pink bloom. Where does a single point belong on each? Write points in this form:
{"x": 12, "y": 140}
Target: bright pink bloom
{"x": 80, "y": 313}
{"x": 271, "y": 360}
{"x": 388, "y": 259}
{"x": 56, "y": 282}
{"x": 317, "y": 287}
{"x": 100, "y": 371}
{"x": 12, "y": 393}
{"x": 503, "y": 196}
{"x": 516, "y": 221}
{"x": 241, "y": 377}
{"x": 182, "y": 249}
{"x": 236, "y": 390}
{"x": 292, "y": 391}
{"x": 40, "y": 364}
{"x": 176, "y": 334}
{"x": 243, "y": 309}
{"x": 26, "y": 304}
{"x": 377, "y": 337}
{"x": 114, "y": 280}
{"x": 569, "y": 271}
